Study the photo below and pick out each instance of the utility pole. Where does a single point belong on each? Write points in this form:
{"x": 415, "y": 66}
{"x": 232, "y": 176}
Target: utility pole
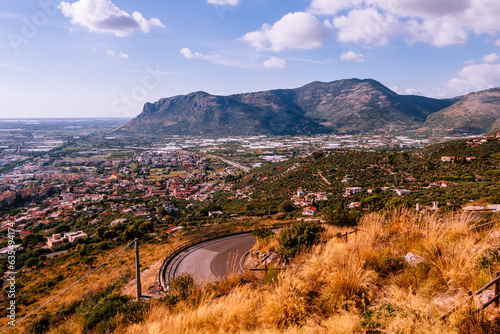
{"x": 137, "y": 269}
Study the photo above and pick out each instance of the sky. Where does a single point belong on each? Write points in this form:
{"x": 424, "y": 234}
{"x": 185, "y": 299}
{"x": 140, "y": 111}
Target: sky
{"x": 106, "y": 58}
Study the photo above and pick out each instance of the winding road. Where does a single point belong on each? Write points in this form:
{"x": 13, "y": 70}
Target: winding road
{"x": 211, "y": 260}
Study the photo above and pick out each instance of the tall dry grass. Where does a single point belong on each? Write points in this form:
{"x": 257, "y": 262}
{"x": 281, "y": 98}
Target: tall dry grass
{"x": 350, "y": 287}
{"x": 345, "y": 287}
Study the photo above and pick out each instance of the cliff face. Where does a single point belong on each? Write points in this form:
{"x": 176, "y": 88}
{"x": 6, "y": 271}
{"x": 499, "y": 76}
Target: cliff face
{"x": 344, "y": 106}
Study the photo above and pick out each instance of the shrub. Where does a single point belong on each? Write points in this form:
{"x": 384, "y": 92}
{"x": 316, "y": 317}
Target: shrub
{"x": 182, "y": 286}
{"x": 385, "y": 263}
{"x": 295, "y": 237}
{"x": 341, "y": 218}
{"x": 262, "y": 233}
{"x": 494, "y": 172}
{"x": 103, "y": 245}
{"x": 396, "y": 203}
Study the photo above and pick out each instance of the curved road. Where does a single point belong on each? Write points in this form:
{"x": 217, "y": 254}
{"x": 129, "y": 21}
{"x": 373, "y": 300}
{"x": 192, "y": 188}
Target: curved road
{"x": 213, "y": 259}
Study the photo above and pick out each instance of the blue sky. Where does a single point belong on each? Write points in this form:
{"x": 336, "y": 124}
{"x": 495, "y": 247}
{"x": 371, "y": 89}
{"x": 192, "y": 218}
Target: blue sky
{"x": 101, "y": 58}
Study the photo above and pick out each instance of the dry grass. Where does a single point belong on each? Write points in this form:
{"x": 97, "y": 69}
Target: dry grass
{"x": 119, "y": 269}
{"x": 349, "y": 287}
{"x": 341, "y": 287}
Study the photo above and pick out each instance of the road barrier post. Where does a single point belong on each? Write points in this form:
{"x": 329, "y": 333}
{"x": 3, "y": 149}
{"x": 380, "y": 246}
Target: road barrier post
{"x": 137, "y": 269}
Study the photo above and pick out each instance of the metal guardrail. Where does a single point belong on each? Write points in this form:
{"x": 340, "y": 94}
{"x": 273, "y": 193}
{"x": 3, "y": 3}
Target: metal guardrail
{"x": 496, "y": 298}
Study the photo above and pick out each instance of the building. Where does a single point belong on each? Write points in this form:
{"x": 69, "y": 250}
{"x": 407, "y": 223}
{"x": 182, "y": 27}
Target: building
{"x": 54, "y": 240}
{"x": 309, "y": 211}
{"x": 118, "y": 221}
{"x": 448, "y": 159}
{"x": 352, "y": 190}
{"x": 4, "y": 252}
{"x": 354, "y": 205}
{"x": 402, "y": 192}
{"x": 72, "y": 236}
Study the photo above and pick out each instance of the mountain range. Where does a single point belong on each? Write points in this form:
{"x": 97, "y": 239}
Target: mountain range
{"x": 341, "y": 107}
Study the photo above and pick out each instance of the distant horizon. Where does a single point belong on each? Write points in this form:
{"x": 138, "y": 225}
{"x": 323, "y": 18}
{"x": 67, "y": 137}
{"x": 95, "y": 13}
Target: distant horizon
{"x": 107, "y": 58}
{"x": 60, "y": 118}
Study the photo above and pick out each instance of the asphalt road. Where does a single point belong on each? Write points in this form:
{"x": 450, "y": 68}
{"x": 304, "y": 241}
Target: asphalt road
{"x": 214, "y": 259}
{"x": 234, "y": 164}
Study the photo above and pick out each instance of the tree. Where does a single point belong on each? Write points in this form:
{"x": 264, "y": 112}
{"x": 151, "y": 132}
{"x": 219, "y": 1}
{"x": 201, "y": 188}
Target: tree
{"x": 396, "y": 202}
{"x": 62, "y": 228}
{"x": 31, "y": 240}
{"x": 90, "y": 260}
{"x": 100, "y": 232}
{"x": 341, "y": 217}
{"x": 108, "y": 235}
{"x": 31, "y": 263}
{"x": 103, "y": 245}
{"x": 81, "y": 250}
{"x": 286, "y": 206}
{"x": 262, "y": 233}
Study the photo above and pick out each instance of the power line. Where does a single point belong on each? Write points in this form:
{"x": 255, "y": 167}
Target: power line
{"x": 69, "y": 287}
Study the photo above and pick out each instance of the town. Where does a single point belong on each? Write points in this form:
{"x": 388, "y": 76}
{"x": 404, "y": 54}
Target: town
{"x": 63, "y": 186}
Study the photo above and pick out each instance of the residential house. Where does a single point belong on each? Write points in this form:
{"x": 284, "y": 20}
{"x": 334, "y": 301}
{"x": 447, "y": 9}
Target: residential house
{"x": 352, "y": 190}
{"x": 55, "y": 239}
{"x": 354, "y": 205}
{"x": 309, "y": 211}
{"x": 448, "y": 158}
{"x": 72, "y": 236}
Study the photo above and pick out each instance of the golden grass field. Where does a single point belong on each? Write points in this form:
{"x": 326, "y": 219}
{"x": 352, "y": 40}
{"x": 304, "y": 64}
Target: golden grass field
{"x": 351, "y": 287}
{"x": 363, "y": 285}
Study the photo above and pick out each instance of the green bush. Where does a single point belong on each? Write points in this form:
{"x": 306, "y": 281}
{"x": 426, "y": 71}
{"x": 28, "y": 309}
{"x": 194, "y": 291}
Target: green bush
{"x": 182, "y": 286}
{"x": 262, "y": 233}
{"x": 396, "y": 202}
{"x": 343, "y": 218}
{"x": 493, "y": 172}
{"x": 292, "y": 239}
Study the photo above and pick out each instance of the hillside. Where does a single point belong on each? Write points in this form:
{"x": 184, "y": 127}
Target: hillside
{"x": 399, "y": 274}
{"x": 477, "y": 112}
{"x": 344, "y": 106}
{"x": 332, "y": 171}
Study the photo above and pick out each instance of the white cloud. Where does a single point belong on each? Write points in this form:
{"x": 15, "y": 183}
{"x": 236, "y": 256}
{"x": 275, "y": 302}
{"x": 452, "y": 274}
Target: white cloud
{"x": 187, "y": 53}
{"x": 422, "y": 8}
{"x": 408, "y": 91}
{"x": 352, "y": 56}
{"x": 223, "y": 2}
{"x": 491, "y": 58}
{"x": 213, "y": 58}
{"x": 110, "y": 53}
{"x": 104, "y": 17}
{"x": 331, "y": 7}
{"x": 436, "y": 22}
{"x": 294, "y": 31}
{"x": 123, "y": 55}
{"x": 366, "y": 26}
{"x": 274, "y": 62}
{"x": 475, "y": 77}
{"x": 436, "y": 32}
{"x": 497, "y": 43}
